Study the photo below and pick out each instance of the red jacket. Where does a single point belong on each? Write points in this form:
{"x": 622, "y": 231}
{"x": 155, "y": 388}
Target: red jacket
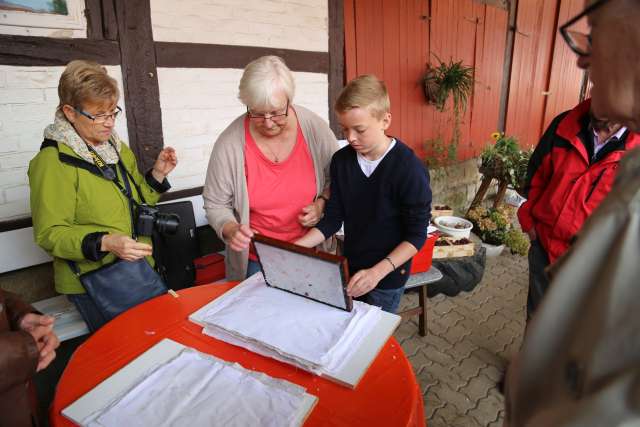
{"x": 563, "y": 186}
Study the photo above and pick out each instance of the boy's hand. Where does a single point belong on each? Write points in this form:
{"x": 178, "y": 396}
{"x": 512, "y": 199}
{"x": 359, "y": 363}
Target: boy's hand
{"x": 311, "y": 214}
{"x": 363, "y": 281}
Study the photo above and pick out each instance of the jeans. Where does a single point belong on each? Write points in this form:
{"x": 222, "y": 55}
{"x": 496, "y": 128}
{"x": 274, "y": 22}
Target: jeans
{"x": 88, "y": 310}
{"x": 252, "y": 268}
{"x": 387, "y": 299}
{"x": 538, "y": 280}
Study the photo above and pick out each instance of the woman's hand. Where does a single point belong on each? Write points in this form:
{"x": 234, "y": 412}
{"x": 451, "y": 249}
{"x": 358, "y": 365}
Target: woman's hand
{"x": 237, "y": 236}
{"x": 312, "y": 214}
{"x": 41, "y": 329}
{"x": 124, "y": 247}
{"x": 363, "y": 281}
{"x": 165, "y": 163}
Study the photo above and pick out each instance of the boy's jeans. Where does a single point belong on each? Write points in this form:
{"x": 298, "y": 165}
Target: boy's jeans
{"x": 387, "y": 299}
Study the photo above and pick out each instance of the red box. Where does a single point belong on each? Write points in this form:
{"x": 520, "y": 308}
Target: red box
{"x": 209, "y": 268}
{"x": 422, "y": 260}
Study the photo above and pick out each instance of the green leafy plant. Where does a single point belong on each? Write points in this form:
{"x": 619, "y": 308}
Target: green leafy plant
{"x": 439, "y": 153}
{"x": 506, "y": 160}
{"x": 494, "y": 226}
{"x": 449, "y": 80}
{"x": 517, "y": 241}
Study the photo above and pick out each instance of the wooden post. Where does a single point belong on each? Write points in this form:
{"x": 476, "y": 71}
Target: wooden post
{"x": 482, "y": 191}
{"x": 502, "y": 189}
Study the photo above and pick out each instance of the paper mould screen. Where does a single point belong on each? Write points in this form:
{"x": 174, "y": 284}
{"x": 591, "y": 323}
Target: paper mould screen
{"x": 315, "y": 275}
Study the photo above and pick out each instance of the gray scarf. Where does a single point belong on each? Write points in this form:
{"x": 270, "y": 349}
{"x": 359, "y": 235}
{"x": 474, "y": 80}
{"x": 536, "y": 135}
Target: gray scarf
{"x": 63, "y": 132}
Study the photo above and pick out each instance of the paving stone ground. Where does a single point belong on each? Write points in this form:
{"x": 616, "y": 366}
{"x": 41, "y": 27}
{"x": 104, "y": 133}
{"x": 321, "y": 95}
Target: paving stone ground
{"x": 471, "y": 338}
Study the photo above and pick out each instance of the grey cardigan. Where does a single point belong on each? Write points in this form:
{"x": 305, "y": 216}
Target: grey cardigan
{"x": 225, "y": 188}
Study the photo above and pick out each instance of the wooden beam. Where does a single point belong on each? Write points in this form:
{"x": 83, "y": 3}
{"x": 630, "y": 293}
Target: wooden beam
{"x": 109, "y": 21}
{"x": 180, "y": 194}
{"x": 44, "y": 51}
{"x": 93, "y": 12}
{"x": 15, "y": 224}
{"x": 336, "y": 59}
{"x": 140, "y": 80}
{"x": 200, "y": 55}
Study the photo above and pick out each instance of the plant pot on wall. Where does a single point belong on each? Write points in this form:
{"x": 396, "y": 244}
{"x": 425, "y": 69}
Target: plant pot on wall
{"x": 430, "y": 85}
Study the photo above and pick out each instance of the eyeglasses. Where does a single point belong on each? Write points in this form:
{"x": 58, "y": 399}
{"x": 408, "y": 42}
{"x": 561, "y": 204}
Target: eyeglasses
{"x": 100, "y": 118}
{"x": 273, "y": 116}
{"x": 579, "y": 41}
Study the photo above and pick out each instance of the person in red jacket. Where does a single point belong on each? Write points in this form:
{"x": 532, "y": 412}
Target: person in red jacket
{"x": 27, "y": 345}
{"x": 570, "y": 172}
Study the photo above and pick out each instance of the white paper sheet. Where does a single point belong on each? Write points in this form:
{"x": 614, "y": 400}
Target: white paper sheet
{"x": 288, "y": 327}
{"x": 195, "y": 389}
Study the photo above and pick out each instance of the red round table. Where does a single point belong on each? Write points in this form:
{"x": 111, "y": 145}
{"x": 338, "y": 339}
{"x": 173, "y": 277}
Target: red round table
{"x": 387, "y": 394}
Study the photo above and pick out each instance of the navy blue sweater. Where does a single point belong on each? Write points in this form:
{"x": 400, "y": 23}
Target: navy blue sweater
{"x": 379, "y": 212}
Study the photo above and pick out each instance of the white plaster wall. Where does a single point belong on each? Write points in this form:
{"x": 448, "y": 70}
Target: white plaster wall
{"x": 73, "y": 25}
{"x": 198, "y": 104}
{"x": 28, "y": 99}
{"x": 288, "y": 24}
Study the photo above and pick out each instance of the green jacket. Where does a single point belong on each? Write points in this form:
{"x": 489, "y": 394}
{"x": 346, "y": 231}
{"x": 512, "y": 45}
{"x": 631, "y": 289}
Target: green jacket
{"x": 69, "y": 204}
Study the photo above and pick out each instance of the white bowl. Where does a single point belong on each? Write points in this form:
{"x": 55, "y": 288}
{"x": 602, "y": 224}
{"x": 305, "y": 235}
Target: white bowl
{"x": 447, "y": 224}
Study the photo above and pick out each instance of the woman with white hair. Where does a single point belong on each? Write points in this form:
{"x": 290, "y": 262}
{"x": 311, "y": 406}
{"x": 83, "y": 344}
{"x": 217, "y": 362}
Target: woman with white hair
{"x": 269, "y": 169}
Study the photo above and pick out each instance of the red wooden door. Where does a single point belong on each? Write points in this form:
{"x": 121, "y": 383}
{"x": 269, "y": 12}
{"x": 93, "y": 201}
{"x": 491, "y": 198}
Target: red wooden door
{"x": 394, "y": 39}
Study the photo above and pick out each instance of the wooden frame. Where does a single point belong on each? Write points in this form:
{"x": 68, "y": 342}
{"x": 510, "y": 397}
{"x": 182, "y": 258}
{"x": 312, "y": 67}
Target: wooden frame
{"x": 278, "y": 258}
{"x": 73, "y": 20}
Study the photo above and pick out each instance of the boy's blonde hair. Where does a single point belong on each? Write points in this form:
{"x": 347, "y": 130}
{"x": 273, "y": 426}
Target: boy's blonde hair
{"x": 368, "y": 92}
{"x": 83, "y": 81}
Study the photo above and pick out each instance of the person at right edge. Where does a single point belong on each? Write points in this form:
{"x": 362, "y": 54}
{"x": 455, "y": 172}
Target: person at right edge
{"x": 570, "y": 172}
{"x": 579, "y": 365}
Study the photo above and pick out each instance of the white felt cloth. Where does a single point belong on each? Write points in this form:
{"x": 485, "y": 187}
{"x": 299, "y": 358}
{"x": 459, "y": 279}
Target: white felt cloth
{"x": 288, "y": 327}
{"x": 194, "y": 389}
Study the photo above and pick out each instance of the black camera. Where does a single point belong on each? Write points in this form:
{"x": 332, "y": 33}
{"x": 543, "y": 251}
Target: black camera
{"x": 150, "y": 219}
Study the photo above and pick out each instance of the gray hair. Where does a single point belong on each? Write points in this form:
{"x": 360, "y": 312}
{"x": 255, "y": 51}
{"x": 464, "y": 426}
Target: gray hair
{"x": 262, "y": 79}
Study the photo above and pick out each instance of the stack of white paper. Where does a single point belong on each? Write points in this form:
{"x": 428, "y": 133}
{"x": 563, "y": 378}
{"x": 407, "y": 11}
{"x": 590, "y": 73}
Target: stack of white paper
{"x": 194, "y": 389}
{"x": 287, "y": 327}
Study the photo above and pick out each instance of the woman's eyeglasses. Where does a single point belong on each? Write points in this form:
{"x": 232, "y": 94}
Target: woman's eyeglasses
{"x": 100, "y": 118}
{"x": 276, "y": 116}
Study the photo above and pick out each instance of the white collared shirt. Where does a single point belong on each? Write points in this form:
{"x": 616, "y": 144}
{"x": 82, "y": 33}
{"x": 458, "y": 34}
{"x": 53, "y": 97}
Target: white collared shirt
{"x": 368, "y": 166}
{"x": 597, "y": 146}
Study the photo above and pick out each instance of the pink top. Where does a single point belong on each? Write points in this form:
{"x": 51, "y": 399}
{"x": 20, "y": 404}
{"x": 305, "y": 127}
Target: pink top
{"x": 278, "y": 191}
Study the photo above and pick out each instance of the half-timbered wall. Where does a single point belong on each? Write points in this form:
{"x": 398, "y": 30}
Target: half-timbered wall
{"x": 178, "y": 65}
{"x": 198, "y": 69}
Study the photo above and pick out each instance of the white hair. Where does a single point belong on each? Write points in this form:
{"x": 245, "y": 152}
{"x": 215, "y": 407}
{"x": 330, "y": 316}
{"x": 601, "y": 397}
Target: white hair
{"x": 262, "y": 79}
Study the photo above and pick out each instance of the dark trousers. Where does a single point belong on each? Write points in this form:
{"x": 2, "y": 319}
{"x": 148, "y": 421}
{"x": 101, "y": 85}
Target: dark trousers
{"x": 538, "y": 280}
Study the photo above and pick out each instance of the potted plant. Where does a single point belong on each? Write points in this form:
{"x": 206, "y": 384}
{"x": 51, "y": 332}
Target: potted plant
{"x": 506, "y": 161}
{"x": 449, "y": 80}
{"x": 494, "y": 228}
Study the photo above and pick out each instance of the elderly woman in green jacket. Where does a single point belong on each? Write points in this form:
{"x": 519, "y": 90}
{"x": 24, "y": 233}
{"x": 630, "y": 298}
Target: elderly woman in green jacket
{"x": 78, "y": 215}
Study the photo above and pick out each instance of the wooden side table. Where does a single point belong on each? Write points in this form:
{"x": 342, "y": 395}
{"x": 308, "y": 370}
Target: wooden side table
{"x": 420, "y": 281}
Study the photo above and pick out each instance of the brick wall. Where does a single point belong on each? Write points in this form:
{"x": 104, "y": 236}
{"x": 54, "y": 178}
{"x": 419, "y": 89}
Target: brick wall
{"x": 28, "y": 99}
{"x": 288, "y": 24}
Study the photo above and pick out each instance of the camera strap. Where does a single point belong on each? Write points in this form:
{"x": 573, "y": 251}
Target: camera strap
{"x": 109, "y": 174}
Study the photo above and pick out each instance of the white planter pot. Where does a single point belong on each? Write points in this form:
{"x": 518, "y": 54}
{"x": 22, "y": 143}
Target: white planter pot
{"x": 493, "y": 250}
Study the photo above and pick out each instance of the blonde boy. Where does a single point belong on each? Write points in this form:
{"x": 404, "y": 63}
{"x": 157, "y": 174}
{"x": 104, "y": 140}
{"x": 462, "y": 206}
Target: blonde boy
{"x": 380, "y": 190}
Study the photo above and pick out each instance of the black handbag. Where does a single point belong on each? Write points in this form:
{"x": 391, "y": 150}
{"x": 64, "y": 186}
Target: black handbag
{"x": 121, "y": 285}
